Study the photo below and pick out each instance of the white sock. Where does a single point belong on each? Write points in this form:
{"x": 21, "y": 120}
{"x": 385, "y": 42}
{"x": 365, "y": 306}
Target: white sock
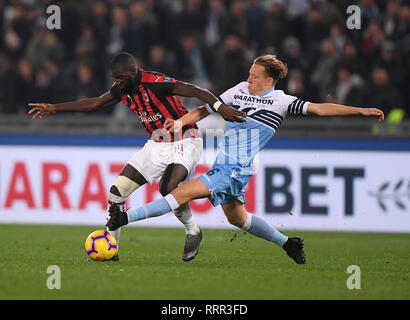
{"x": 116, "y": 235}
{"x": 248, "y": 222}
{"x": 116, "y": 199}
{"x": 183, "y": 213}
{"x": 173, "y": 203}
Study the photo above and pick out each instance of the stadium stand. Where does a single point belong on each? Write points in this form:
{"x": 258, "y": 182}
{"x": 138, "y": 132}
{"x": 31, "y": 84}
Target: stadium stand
{"x": 210, "y": 43}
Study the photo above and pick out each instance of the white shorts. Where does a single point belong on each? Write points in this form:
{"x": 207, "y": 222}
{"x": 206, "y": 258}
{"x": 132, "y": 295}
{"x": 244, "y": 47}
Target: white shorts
{"x": 152, "y": 160}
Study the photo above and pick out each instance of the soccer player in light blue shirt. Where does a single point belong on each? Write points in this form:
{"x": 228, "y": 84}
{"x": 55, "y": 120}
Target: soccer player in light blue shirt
{"x": 224, "y": 183}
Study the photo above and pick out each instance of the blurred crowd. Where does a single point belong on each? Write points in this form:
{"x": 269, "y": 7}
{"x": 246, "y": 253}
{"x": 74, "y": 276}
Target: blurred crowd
{"x": 211, "y": 43}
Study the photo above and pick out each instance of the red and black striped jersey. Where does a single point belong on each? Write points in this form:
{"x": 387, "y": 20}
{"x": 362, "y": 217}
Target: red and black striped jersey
{"x": 152, "y": 101}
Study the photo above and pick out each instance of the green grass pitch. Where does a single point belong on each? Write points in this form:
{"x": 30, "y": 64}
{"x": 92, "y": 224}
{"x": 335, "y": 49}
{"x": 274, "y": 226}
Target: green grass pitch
{"x": 231, "y": 264}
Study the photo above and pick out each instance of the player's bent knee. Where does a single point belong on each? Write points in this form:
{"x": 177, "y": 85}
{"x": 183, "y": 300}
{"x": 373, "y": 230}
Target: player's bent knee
{"x": 164, "y": 190}
{"x": 124, "y": 186}
{"x": 167, "y": 186}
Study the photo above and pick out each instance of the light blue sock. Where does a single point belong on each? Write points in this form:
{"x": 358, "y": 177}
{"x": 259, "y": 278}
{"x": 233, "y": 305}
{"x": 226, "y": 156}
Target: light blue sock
{"x": 260, "y": 228}
{"x": 153, "y": 209}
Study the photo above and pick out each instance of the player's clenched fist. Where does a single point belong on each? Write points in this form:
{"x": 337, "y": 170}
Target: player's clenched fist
{"x": 41, "y": 109}
{"x": 172, "y": 125}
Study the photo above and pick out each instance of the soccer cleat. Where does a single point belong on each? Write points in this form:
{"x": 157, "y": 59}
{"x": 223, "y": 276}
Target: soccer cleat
{"x": 294, "y": 249}
{"x": 117, "y": 218}
{"x": 191, "y": 248}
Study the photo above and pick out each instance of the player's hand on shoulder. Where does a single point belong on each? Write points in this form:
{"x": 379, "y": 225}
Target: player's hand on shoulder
{"x": 231, "y": 114}
{"x": 172, "y": 125}
{"x": 41, "y": 109}
{"x": 370, "y": 112}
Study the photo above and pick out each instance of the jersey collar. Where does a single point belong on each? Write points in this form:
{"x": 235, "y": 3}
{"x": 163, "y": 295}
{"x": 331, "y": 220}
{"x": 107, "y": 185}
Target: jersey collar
{"x": 266, "y": 92}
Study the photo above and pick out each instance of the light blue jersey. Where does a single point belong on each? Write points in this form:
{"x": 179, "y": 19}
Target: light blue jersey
{"x": 265, "y": 114}
{"x": 241, "y": 142}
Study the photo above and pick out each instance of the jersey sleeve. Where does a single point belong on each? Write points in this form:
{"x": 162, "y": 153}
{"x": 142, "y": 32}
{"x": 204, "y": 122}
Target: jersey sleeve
{"x": 116, "y": 92}
{"x": 295, "y": 105}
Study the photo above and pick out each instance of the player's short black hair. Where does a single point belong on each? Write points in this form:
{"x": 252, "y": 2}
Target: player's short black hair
{"x": 123, "y": 60}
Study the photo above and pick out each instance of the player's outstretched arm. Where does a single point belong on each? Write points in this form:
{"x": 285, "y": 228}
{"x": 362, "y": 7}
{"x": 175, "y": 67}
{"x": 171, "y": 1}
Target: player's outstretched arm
{"x": 39, "y": 110}
{"x": 185, "y": 89}
{"x": 191, "y": 117}
{"x": 331, "y": 109}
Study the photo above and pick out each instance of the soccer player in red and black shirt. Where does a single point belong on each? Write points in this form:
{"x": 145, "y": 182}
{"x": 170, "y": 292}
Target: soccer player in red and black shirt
{"x": 152, "y": 97}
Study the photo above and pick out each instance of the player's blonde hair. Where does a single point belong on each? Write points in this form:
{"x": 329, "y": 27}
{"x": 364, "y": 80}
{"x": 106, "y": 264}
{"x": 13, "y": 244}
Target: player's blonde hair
{"x": 273, "y": 66}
